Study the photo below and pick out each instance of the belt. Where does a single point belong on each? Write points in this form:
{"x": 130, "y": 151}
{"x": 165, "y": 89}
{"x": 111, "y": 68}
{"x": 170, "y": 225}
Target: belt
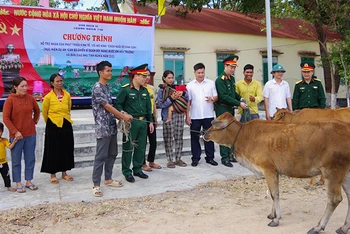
{"x": 221, "y": 104}
{"x": 139, "y": 117}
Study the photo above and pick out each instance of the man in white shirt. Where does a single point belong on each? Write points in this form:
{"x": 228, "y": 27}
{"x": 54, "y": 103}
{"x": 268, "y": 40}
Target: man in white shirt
{"x": 276, "y": 93}
{"x": 202, "y": 95}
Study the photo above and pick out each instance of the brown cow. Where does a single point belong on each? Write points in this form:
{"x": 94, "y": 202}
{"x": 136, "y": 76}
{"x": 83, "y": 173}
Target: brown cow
{"x": 309, "y": 114}
{"x": 341, "y": 114}
{"x": 299, "y": 150}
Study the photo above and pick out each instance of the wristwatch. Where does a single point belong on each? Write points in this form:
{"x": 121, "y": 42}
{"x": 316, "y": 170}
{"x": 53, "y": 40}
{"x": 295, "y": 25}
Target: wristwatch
{"x": 212, "y": 99}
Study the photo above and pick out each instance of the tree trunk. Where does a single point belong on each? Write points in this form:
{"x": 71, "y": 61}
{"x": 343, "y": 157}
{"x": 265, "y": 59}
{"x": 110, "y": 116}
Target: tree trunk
{"x": 330, "y": 79}
{"x": 331, "y": 85}
{"x": 114, "y": 5}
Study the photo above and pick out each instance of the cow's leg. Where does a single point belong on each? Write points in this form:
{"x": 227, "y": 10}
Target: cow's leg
{"x": 312, "y": 181}
{"x": 321, "y": 181}
{"x": 272, "y": 182}
{"x": 346, "y": 186}
{"x": 333, "y": 183}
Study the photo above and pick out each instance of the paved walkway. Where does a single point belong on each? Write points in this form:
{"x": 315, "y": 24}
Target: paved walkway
{"x": 159, "y": 181}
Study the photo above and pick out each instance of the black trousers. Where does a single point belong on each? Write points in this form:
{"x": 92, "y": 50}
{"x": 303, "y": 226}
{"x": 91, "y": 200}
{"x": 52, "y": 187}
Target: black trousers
{"x": 196, "y": 149}
{"x": 152, "y": 140}
{"x": 5, "y": 173}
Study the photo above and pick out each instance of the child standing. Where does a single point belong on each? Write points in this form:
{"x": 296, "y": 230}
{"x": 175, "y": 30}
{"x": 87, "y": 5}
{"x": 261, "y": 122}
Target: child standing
{"x": 179, "y": 105}
{"x": 4, "y": 168}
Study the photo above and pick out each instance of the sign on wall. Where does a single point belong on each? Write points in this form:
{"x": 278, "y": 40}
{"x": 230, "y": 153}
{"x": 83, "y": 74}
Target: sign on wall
{"x": 38, "y": 42}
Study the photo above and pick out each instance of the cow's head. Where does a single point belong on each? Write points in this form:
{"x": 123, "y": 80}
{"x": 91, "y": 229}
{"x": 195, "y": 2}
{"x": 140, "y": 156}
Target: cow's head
{"x": 280, "y": 113}
{"x": 221, "y": 131}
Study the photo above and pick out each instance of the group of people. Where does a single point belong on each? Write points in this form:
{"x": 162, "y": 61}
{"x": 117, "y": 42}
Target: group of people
{"x": 308, "y": 92}
{"x": 20, "y": 115}
{"x": 197, "y": 104}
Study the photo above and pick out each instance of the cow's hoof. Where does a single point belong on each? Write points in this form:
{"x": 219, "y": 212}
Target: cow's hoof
{"x": 273, "y": 224}
{"x": 271, "y": 216}
{"x": 340, "y": 231}
{"x": 310, "y": 188}
{"x": 312, "y": 231}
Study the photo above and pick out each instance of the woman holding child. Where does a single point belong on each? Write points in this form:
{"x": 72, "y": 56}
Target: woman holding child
{"x": 173, "y": 129}
{"x": 21, "y": 114}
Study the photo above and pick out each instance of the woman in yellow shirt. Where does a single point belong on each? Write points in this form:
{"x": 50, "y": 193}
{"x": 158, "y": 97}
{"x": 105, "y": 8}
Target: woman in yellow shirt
{"x": 59, "y": 140}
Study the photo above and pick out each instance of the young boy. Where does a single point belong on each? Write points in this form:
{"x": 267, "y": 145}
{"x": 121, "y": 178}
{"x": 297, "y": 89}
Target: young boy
{"x": 4, "y": 168}
{"x": 179, "y": 105}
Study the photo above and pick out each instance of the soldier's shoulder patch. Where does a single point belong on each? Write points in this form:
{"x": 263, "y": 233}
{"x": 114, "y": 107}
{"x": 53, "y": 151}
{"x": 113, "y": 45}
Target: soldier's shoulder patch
{"x": 298, "y": 82}
{"x": 223, "y": 77}
{"x": 317, "y": 80}
{"x": 126, "y": 85}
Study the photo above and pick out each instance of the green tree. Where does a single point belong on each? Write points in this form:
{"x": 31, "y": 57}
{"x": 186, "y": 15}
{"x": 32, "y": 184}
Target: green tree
{"x": 52, "y": 3}
{"x": 325, "y": 16}
{"x": 340, "y": 53}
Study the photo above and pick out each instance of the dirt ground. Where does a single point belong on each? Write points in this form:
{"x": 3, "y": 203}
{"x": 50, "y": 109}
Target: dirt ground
{"x": 239, "y": 205}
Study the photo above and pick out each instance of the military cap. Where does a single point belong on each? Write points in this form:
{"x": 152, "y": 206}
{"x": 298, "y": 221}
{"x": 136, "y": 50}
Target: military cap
{"x": 140, "y": 70}
{"x": 307, "y": 66}
{"x": 278, "y": 67}
{"x": 231, "y": 60}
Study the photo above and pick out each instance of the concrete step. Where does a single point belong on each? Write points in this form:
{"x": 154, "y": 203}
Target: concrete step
{"x": 82, "y": 127}
{"x": 89, "y": 148}
{"x": 86, "y": 133}
{"x": 88, "y": 159}
{"x": 84, "y": 136}
{"x": 81, "y": 150}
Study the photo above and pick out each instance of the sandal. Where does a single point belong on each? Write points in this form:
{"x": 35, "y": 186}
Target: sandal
{"x": 170, "y": 164}
{"x": 11, "y": 189}
{"x": 32, "y": 187}
{"x": 145, "y": 167}
{"x": 115, "y": 183}
{"x": 96, "y": 192}
{"x": 54, "y": 180}
{"x": 180, "y": 163}
{"x": 154, "y": 165}
{"x": 20, "y": 190}
{"x": 67, "y": 177}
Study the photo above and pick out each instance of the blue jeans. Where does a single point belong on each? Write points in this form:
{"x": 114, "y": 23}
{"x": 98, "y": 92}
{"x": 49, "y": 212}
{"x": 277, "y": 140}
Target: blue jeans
{"x": 27, "y": 146}
{"x": 252, "y": 116}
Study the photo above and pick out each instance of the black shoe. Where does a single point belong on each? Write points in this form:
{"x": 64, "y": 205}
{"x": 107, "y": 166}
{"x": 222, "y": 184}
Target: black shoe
{"x": 141, "y": 175}
{"x": 232, "y": 158}
{"x": 212, "y": 162}
{"x": 194, "y": 163}
{"x": 130, "y": 178}
{"x": 227, "y": 164}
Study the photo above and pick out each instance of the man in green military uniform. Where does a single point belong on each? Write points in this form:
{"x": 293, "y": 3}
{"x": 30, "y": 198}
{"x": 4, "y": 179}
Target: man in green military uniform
{"x": 227, "y": 99}
{"x": 134, "y": 99}
{"x": 308, "y": 92}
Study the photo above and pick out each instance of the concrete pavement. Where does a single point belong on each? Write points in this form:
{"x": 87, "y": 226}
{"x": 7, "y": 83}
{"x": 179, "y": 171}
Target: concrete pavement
{"x": 159, "y": 181}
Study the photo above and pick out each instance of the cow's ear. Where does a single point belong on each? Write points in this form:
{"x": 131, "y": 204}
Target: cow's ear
{"x": 219, "y": 124}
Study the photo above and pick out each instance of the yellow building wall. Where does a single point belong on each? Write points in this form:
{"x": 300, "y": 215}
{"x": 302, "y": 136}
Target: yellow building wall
{"x": 202, "y": 46}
